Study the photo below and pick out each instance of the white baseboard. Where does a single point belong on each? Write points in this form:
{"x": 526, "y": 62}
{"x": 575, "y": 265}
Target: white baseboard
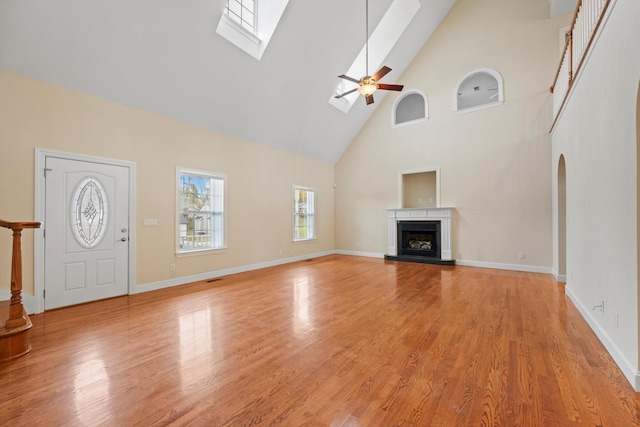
{"x": 502, "y": 266}
{"x": 496, "y": 265}
{"x": 559, "y": 277}
{"x": 628, "y": 370}
{"x": 146, "y": 287}
{"x": 29, "y": 301}
{"x": 358, "y": 253}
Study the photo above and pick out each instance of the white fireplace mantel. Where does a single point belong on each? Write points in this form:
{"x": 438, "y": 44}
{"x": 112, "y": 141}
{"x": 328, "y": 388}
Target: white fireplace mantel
{"x": 443, "y": 215}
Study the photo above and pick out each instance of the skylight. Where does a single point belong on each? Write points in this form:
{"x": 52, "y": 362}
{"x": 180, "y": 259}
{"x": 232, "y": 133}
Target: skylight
{"x": 249, "y": 27}
{"x": 242, "y": 12}
{"x": 381, "y": 41}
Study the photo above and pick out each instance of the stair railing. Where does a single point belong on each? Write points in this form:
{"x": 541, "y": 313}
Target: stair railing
{"x": 586, "y": 22}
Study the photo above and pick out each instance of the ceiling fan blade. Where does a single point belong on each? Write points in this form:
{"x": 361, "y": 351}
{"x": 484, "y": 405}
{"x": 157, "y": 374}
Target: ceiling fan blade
{"x": 346, "y": 93}
{"x": 369, "y": 99}
{"x": 390, "y": 87}
{"x": 381, "y": 73}
{"x": 351, "y": 79}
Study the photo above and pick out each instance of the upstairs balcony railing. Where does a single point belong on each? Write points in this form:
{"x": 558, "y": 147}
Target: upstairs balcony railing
{"x": 584, "y": 26}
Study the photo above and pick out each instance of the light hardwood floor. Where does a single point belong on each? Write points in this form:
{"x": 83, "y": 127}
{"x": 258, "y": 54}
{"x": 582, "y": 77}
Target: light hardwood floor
{"x": 335, "y": 341}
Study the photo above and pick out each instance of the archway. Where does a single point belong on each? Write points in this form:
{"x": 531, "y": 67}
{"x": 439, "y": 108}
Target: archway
{"x": 562, "y": 220}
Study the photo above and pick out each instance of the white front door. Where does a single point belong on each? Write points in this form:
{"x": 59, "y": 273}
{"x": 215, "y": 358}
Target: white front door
{"x": 86, "y": 231}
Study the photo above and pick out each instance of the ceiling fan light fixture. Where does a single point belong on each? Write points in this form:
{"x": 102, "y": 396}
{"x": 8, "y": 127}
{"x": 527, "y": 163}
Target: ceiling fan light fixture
{"x": 367, "y": 87}
{"x": 368, "y": 84}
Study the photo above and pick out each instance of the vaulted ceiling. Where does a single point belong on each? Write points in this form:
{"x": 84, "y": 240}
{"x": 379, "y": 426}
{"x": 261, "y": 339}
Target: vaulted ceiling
{"x": 165, "y": 57}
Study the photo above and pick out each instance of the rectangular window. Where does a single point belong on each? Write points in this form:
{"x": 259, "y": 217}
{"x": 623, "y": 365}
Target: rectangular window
{"x": 303, "y": 214}
{"x": 200, "y": 211}
{"x": 242, "y": 12}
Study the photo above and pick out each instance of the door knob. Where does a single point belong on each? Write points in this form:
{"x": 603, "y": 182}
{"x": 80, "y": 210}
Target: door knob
{"x": 124, "y": 239}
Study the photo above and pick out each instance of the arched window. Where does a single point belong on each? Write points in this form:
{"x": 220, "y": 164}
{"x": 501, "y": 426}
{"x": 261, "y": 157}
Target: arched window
{"x": 481, "y": 88}
{"x": 410, "y": 108}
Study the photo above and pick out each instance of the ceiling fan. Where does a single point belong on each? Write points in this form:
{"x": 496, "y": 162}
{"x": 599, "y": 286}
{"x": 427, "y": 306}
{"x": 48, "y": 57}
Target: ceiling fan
{"x": 369, "y": 84}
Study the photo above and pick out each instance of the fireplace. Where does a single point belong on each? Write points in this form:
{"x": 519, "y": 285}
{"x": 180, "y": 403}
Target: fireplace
{"x": 420, "y": 235}
{"x": 419, "y": 239}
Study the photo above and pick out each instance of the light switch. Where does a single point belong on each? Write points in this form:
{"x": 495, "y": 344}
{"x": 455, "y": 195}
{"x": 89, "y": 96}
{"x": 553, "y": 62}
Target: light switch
{"x": 150, "y": 222}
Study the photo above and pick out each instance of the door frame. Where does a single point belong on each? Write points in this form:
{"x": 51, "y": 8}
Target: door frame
{"x": 39, "y": 215}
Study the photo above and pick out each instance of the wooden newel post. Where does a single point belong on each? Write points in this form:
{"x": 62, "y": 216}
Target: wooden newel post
{"x": 16, "y": 311}
{"x": 15, "y": 308}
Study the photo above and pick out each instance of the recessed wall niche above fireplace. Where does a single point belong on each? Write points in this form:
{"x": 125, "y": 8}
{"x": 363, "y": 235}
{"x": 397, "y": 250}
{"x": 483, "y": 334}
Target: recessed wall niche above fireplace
{"x": 420, "y": 235}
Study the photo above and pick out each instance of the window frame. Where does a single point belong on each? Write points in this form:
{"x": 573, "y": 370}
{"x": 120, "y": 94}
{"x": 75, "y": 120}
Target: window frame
{"x": 487, "y": 71}
{"x": 400, "y": 99}
{"x": 249, "y": 28}
{"x": 312, "y": 214}
{"x": 266, "y": 20}
{"x": 178, "y": 210}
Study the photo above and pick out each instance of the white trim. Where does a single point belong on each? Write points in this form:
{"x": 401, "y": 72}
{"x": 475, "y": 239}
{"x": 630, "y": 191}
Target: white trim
{"x": 442, "y": 215}
{"x": 559, "y": 277}
{"x": 630, "y": 372}
{"x": 358, "y": 253}
{"x": 205, "y": 174}
{"x": 242, "y": 31}
{"x": 267, "y": 19}
{"x": 477, "y": 108}
{"x": 162, "y": 284}
{"x": 419, "y": 170}
{"x": 463, "y": 263}
{"x": 29, "y": 300}
{"x": 410, "y": 122}
{"x": 495, "y": 74}
{"x": 39, "y": 215}
{"x": 293, "y": 213}
{"x": 503, "y": 266}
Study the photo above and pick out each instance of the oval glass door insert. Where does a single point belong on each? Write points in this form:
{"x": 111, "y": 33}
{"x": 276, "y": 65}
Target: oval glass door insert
{"x": 89, "y": 209}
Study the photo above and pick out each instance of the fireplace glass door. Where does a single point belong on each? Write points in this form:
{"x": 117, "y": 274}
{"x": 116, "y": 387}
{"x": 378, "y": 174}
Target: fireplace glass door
{"x": 419, "y": 239}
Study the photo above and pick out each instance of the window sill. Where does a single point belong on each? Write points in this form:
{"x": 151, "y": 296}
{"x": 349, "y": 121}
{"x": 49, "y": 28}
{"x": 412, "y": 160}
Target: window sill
{"x": 304, "y": 240}
{"x": 409, "y": 122}
{"x": 478, "y": 108}
{"x": 196, "y": 252}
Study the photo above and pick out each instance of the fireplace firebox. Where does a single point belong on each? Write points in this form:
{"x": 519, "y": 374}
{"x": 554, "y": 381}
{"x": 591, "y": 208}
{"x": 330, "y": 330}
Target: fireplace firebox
{"x": 419, "y": 239}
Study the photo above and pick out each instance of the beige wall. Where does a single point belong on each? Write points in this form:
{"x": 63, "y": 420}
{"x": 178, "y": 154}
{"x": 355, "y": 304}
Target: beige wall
{"x": 494, "y": 163}
{"x": 597, "y": 136}
{"x": 259, "y": 179}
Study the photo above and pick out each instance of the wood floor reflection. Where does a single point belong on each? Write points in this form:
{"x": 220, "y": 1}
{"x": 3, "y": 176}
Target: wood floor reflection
{"x": 335, "y": 341}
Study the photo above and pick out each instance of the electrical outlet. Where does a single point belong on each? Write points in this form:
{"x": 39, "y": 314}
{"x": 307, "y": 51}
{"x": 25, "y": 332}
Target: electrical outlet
{"x": 616, "y": 320}
{"x": 521, "y": 255}
{"x": 172, "y": 267}
{"x": 599, "y": 307}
